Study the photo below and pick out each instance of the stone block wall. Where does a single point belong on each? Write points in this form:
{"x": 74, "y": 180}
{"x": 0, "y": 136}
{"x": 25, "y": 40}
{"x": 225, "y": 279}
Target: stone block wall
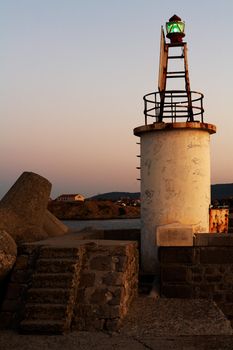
{"x": 109, "y": 282}
{"x": 202, "y": 271}
{"x": 18, "y": 283}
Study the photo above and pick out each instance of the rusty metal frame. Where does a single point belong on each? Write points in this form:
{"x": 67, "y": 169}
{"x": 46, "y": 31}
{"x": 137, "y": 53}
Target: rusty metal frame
{"x": 161, "y": 106}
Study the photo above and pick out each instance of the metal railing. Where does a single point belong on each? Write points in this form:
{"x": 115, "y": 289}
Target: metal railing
{"x": 174, "y": 105}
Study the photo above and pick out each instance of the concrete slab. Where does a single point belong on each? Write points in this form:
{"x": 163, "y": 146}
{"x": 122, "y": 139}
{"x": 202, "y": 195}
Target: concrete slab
{"x": 175, "y": 317}
{"x": 174, "y": 234}
{"x": 102, "y": 341}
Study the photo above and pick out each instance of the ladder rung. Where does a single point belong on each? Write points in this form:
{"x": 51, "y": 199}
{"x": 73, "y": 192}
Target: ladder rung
{"x": 175, "y": 57}
{"x": 138, "y": 155}
{"x": 175, "y": 96}
{"x": 176, "y": 44}
{"x": 138, "y": 167}
{"x": 176, "y": 91}
{"x": 176, "y": 72}
{"x": 139, "y": 179}
{"x": 176, "y": 76}
{"x": 177, "y": 111}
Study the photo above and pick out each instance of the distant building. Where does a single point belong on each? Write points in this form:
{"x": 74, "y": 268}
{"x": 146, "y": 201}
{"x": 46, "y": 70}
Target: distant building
{"x": 127, "y": 201}
{"x": 71, "y": 198}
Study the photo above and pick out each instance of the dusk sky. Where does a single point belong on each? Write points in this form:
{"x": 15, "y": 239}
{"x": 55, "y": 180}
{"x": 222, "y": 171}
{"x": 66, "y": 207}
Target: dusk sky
{"x": 73, "y": 75}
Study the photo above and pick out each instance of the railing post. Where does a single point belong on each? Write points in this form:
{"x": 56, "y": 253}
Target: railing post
{"x": 202, "y": 109}
{"x": 145, "y": 110}
{"x": 172, "y": 112}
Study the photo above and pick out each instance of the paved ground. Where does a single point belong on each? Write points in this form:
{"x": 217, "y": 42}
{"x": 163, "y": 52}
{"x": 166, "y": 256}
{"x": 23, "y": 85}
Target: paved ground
{"x": 175, "y": 317}
{"x": 101, "y": 341}
{"x": 163, "y": 324}
{"x": 154, "y": 324}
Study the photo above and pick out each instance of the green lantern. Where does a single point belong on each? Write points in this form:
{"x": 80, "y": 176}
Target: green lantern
{"x": 175, "y": 29}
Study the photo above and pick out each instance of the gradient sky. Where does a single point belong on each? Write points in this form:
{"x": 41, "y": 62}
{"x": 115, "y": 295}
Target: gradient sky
{"x": 73, "y": 75}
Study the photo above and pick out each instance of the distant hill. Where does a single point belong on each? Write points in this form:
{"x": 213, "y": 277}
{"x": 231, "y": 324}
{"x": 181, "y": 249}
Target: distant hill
{"x": 221, "y": 191}
{"x": 218, "y": 191}
{"x": 115, "y": 196}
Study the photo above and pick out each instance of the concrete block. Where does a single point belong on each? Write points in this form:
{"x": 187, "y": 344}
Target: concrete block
{"x": 216, "y": 255}
{"x": 175, "y": 234}
{"x": 8, "y": 252}
{"x": 54, "y": 227}
{"x": 23, "y": 208}
{"x": 176, "y": 291}
{"x": 175, "y": 274}
{"x": 177, "y": 255}
{"x": 213, "y": 239}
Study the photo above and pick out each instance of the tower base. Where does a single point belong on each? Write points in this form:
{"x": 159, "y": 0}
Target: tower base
{"x": 175, "y": 181}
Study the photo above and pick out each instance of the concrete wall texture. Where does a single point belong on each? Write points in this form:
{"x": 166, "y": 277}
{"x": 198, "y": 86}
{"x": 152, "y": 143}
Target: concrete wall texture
{"x": 175, "y": 182}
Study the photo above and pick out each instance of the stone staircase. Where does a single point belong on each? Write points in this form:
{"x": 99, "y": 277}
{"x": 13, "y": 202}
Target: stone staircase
{"x": 51, "y": 297}
{"x": 70, "y": 285}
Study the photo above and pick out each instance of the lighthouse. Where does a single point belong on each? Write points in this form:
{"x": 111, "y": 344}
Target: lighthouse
{"x": 174, "y": 155}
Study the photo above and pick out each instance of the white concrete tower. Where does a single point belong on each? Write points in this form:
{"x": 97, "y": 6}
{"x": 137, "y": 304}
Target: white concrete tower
{"x": 175, "y": 157}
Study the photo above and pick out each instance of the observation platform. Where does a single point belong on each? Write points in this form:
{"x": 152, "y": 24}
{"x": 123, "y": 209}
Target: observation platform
{"x": 211, "y": 128}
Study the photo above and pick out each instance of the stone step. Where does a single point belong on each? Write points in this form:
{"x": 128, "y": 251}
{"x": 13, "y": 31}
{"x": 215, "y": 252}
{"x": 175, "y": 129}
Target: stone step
{"x": 48, "y": 295}
{"x": 59, "y": 252}
{"x": 55, "y": 265}
{"x": 52, "y": 280}
{"x": 43, "y": 327}
{"x": 45, "y": 311}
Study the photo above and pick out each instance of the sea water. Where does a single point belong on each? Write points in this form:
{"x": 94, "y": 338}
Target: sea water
{"x": 103, "y": 224}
